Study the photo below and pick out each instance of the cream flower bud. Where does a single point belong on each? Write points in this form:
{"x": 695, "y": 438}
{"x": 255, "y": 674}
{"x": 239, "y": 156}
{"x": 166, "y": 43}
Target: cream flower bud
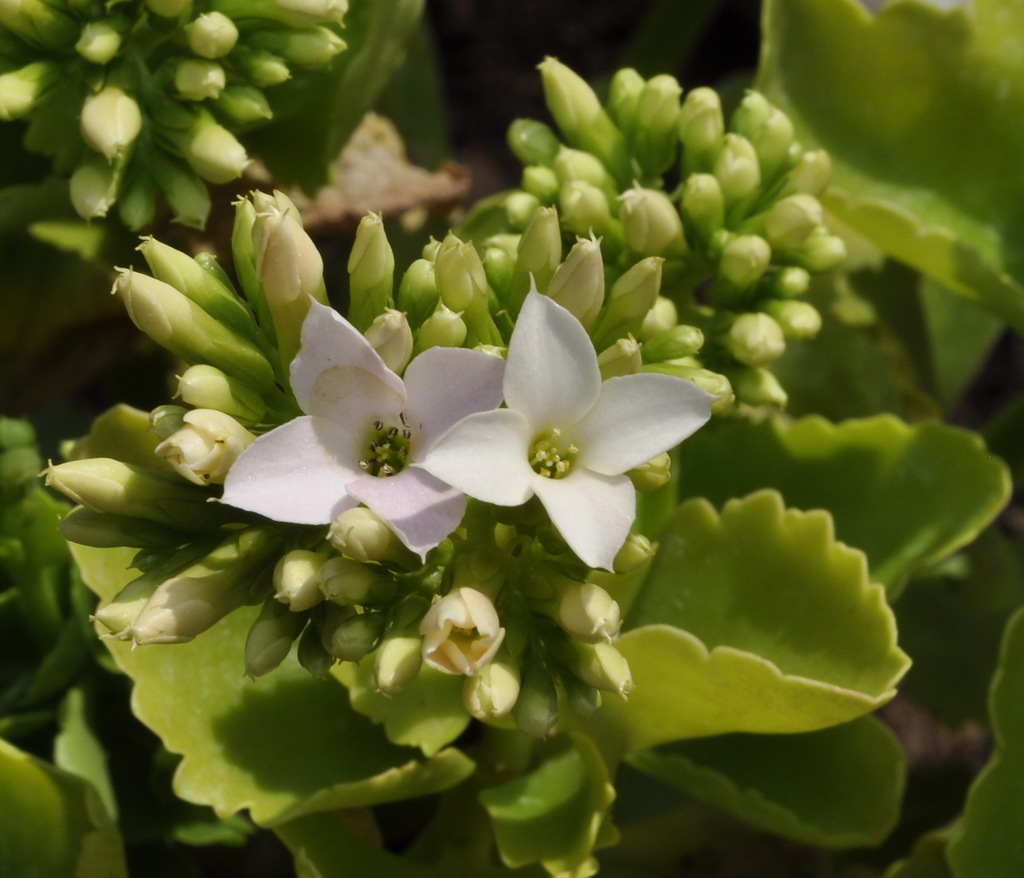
{"x": 651, "y": 223}
{"x": 461, "y": 632}
{"x": 212, "y": 35}
{"x": 756, "y": 339}
{"x": 587, "y": 612}
{"x": 821, "y": 251}
{"x": 345, "y": 581}
{"x": 94, "y": 186}
{"x": 655, "y": 139}
{"x": 207, "y": 387}
{"x": 166, "y": 420}
{"x": 751, "y": 114}
{"x": 791, "y": 220}
{"x": 629, "y": 300}
{"x": 461, "y": 279}
{"x": 703, "y": 204}
{"x": 206, "y": 446}
{"x": 99, "y": 42}
{"x": 811, "y": 173}
{"x": 737, "y": 168}
{"x": 21, "y": 89}
{"x": 297, "y": 579}
{"x": 701, "y": 127}
{"x": 624, "y": 357}
{"x": 602, "y": 666}
{"x": 197, "y": 79}
{"x": 288, "y": 263}
{"x": 492, "y": 693}
{"x": 361, "y": 534}
{"x": 652, "y": 475}
{"x": 397, "y": 662}
{"x": 623, "y": 98}
{"x": 538, "y": 256}
{"x": 635, "y": 552}
{"x": 791, "y": 282}
{"x": 243, "y": 104}
{"x": 798, "y": 320}
{"x": 213, "y": 152}
{"x": 110, "y": 122}
{"x": 578, "y": 283}
{"x": 744, "y": 260}
{"x": 118, "y": 614}
{"x": 663, "y": 316}
{"x": 774, "y": 142}
{"x": 391, "y": 337}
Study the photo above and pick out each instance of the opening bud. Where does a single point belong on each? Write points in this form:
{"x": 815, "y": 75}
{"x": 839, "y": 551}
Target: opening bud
{"x": 206, "y": 446}
{"x": 461, "y": 632}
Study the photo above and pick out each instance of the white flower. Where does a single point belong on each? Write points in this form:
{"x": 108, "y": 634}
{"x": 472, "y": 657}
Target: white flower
{"x": 363, "y": 426}
{"x": 566, "y": 436}
{"x": 461, "y": 632}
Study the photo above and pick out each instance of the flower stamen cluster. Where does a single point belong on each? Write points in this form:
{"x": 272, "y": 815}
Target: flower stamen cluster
{"x": 551, "y": 457}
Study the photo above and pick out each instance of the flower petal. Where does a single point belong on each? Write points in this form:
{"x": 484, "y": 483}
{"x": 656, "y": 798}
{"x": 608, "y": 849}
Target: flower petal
{"x": 421, "y": 509}
{"x": 593, "y": 512}
{"x": 298, "y": 473}
{"x": 338, "y": 375}
{"x": 446, "y": 384}
{"x": 637, "y": 418}
{"x": 485, "y": 456}
{"x": 552, "y": 375}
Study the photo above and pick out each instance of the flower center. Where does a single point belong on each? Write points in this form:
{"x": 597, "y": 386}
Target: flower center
{"x": 389, "y": 449}
{"x": 552, "y": 456}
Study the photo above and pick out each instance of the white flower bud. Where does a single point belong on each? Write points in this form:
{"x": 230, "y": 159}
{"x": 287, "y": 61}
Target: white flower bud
{"x": 206, "y": 446}
{"x": 621, "y": 358}
{"x": 361, "y": 534}
{"x": 99, "y": 42}
{"x": 397, "y": 663}
{"x": 587, "y": 612}
{"x": 111, "y": 120}
{"x": 578, "y": 283}
{"x": 492, "y": 693}
{"x": 212, "y": 35}
{"x": 756, "y": 339}
{"x": 297, "y": 579}
{"x": 651, "y": 223}
{"x": 602, "y": 666}
{"x": 197, "y": 79}
{"x": 391, "y": 337}
{"x": 461, "y": 632}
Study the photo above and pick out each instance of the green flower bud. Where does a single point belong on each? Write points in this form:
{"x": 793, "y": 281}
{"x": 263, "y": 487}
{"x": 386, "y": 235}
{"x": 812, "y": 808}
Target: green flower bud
{"x": 348, "y": 635}
{"x": 93, "y": 187}
{"x": 417, "y": 293}
{"x": 519, "y": 209}
{"x": 714, "y": 383}
{"x": 99, "y": 41}
{"x": 573, "y": 165}
{"x": 110, "y": 121}
{"x": 737, "y": 169}
{"x": 654, "y": 474}
{"x": 773, "y": 142}
{"x": 166, "y": 420}
{"x": 371, "y": 268}
{"x": 703, "y": 205}
{"x": 651, "y": 223}
{"x": 492, "y": 693}
{"x": 362, "y": 535}
{"x": 344, "y": 581}
{"x": 305, "y": 47}
{"x": 312, "y": 655}
{"x": 106, "y": 485}
{"x": 87, "y": 527}
{"x": 586, "y": 211}
{"x": 582, "y": 698}
{"x": 39, "y": 23}
{"x": 270, "y": 638}
{"x": 397, "y": 662}
{"x": 186, "y": 193}
{"x": 757, "y": 386}
{"x": 297, "y": 579}
{"x": 662, "y": 317}
{"x": 189, "y": 603}
{"x": 701, "y": 129}
{"x": 790, "y": 282}
{"x": 755, "y": 339}
{"x": 744, "y": 261}
{"x": 204, "y": 449}
{"x": 629, "y": 300}
{"x": 623, "y": 98}
{"x": 621, "y": 358}
{"x": 197, "y": 79}
{"x": 541, "y": 182}
{"x": 791, "y": 220}
{"x": 602, "y": 666}
{"x": 461, "y": 279}
{"x": 500, "y": 264}
{"x": 679, "y": 341}
{"x": 655, "y": 138}
{"x": 536, "y": 709}
{"x": 442, "y": 329}
{"x": 172, "y": 320}
{"x": 582, "y": 119}
{"x": 798, "y": 320}
{"x": 587, "y": 611}
{"x": 637, "y": 550}
{"x": 538, "y": 256}
{"x": 119, "y": 613}
{"x": 293, "y": 13}
{"x": 391, "y": 337}
{"x": 243, "y": 104}
{"x": 263, "y": 69}
{"x": 751, "y": 114}
{"x": 211, "y": 35}
{"x": 578, "y": 283}
{"x": 810, "y": 175}
{"x": 821, "y": 252}
{"x": 533, "y": 143}
{"x": 210, "y": 149}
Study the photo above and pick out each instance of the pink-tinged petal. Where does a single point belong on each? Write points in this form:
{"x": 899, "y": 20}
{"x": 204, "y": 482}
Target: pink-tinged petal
{"x": 446, "y": 384}
{"x": 637, "y": 418}
{"x": 552, "y": 375}
{"x": 338, "y": 375}
{"x": 418, "y": 507}
{"x": 485, "y": 456}
{"x": 298, "y": 472}
{"x": 592, "y": 512}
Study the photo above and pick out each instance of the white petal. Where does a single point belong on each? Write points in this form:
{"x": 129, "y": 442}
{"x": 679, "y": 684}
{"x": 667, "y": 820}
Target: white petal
{"x": 637, "y": 418}
{"x": 418, "y": 507}
{"x": 485, "y": 456}
{"x": 298, "y": 472}
{"x": 592, "y": 512}
{"x": 552, "y": 375}
{"x": 338, "y": 375}
{"x": 446, "y": 384}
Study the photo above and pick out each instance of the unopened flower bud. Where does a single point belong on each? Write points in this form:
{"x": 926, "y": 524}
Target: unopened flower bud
{"x": 461, "y": 632}
{"x": 790, "y": 221}
{"x": 774, "y": 141}
{"x": 110, "y": 121}
{"x": 703, "y": 204}
{"x": 655, "y": 138}
{"x": 186, "y": 193}
{"x": 663, "y": 316}
{"x": 637, "y": 550}
{"x": 790, "y": 282}
{"x": 500, "y": 265}
{"x": 623, "y": 97}
{"x": 293, "y": 13}
{"x": 211, "y": 35}
{"x": 798, "y": 320}
{"x": 681, "y": 340}
{"x": 604, "y": 667}
{"x": 270, "y": 638}
{"x": 541, "y": 182}
{"x": 572, "y": 165}
{"x": 206, "y": 387}
{"x": 744, "y": 260}
{"x": 103, "y": 530}
{"x": 99, "y": 42}
{"x": 587, "y": 612}
{"x": 197, "y": 79}
{"x": 651, "y": 223}
{"x": 737, "y": 169}
{"x": 586, "y": 211}
{"x": 417, "y": 293}
{"x": 533, "y": 143}
{"x": 492, "y": 693}
{"x": 361, "y": 534}
{"x": 538, "y": 256}
{"x": 755, "y": 339}
{"x": 312, "y": 655}
{"x": 751, "y": 114}
{"x": 519, "y": 209}
{"x": 716, "y": 384}
{"x": 166, "y": 420}
{"x": 758, "y": 386}
{"x": 578, "y": 283}
{"x": 629, "y": 300}
{"x": 536, "y": 709}
{"x": 371, "y": 269}
{"x": 582, "y": 698}
{"x": 391, "y": 337}
{"x": 21, "y": 89}
{"x": 244, "y": 104}
{"x": 297, "y": 579}
{"x": 701, "y": 128}
{"x": 304, "y": 47}
{"x": 624, "y": 357}
{"x": 204, "y": 449}
{"x": 821, "y": 251}
{"x": 348, "y": 635}
{"x": 211, "y": 150}
{"x": 93, "y": 186}
{"x": 167, "y": 8}
{"x": 810, "y": 175}
{"x": 118, "y": 614}
{"x": 345, "y": 581}
{"x": 263, "y": 69}
{"x": 397, "y": 662}
{"x": 443, "y": 328}
{"x": 461, "y": 279}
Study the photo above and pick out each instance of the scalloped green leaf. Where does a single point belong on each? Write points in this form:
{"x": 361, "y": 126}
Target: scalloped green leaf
{"x": 754, "y": 620}
{"x": 281, "y": 746}
{"x": 907, "y": 496}
{"x": 837, "y": 788}
{"x": 918, "y": 107}
{"x": 926, "y": 860}
{"x": 52, "y": 823}
{"x": 988, "y": 842}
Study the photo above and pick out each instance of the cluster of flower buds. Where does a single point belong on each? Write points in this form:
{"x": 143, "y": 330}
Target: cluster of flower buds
{"x": 445, "y": 479}
{"x": 145, "y": 95}
{"x": 737, "y": 240}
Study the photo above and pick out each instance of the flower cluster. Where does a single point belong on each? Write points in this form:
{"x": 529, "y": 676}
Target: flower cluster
{"x": 736, "y": 242}
{"x": 452, "y": 484}
{"x": 146, "y": 95}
